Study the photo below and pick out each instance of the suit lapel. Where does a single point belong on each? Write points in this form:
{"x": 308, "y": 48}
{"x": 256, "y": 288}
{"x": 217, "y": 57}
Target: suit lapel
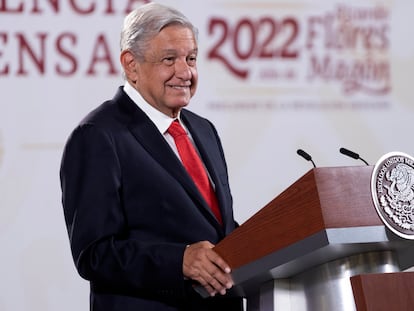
{"x": 146, "y": 133}
{"x": 205, "y": 143}
{"x": 151, "y": 139}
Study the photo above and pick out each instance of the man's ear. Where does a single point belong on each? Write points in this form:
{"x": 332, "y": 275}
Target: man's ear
{"x": 128, "y": 62}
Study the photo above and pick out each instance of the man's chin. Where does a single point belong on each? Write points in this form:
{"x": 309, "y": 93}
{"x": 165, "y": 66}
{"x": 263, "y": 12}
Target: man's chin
{"x": 179, "y": 104}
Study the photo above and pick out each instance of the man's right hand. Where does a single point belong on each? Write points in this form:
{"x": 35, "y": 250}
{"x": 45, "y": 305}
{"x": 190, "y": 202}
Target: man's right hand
{"x": 202, "y": 264}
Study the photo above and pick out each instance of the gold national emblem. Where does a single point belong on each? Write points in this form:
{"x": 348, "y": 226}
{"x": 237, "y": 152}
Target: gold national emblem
{"x": 392, "y": 189}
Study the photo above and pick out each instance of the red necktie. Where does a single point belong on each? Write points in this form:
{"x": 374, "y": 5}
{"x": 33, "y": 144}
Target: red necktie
{"x": 194, "y": 166}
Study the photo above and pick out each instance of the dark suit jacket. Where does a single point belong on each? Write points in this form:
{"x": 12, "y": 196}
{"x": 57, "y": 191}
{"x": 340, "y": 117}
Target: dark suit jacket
{"x": 131, "y": 208}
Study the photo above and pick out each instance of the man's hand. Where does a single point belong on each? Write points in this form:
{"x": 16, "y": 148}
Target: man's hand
{"x": 206, "y": 267}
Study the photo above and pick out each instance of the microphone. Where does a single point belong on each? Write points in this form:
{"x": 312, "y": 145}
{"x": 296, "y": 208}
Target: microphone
{"x": 352, "y": 154}
{"x": 305, "y": 155}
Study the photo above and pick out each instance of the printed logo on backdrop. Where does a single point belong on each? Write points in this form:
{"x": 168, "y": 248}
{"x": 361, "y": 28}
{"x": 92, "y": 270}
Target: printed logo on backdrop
{"x": 392, "y": 188}
{"x": 269, "y": 54}
{"x": 336, "y": 58}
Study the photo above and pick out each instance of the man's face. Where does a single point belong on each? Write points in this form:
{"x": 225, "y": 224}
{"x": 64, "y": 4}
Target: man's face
{"x": 167, "y": 78}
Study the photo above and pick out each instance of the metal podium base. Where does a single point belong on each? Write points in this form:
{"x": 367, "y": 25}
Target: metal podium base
{"x": 326, "y": 287}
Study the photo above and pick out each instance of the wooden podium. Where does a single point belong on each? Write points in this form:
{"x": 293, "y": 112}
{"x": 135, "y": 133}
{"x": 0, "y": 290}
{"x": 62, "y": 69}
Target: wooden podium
{"x": 300, "y": 250}
{"x": 384, "y": 291}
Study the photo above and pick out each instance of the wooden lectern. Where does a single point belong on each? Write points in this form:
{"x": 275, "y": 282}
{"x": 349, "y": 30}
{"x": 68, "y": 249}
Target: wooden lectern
{"x": 300, "y": 250}
{"x": 384, "y": 291}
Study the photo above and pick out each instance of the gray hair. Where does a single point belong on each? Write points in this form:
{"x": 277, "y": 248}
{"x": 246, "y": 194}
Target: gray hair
{"x": 145, "y": 22}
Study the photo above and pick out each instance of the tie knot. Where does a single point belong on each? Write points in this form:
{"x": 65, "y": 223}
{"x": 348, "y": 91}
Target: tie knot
{"x": 176, "y": 129}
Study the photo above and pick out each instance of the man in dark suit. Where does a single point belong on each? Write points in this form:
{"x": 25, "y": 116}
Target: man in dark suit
{"x": 140, "y": 230}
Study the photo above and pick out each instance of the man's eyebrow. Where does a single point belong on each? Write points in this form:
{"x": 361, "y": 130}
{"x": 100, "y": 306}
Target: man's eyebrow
{"x": 174, "y": 51}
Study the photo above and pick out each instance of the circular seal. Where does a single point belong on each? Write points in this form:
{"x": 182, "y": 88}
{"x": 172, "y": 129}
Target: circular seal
{"x": 392, "y": 190}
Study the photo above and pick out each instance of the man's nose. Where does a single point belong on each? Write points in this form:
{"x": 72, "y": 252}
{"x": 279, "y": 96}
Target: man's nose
{"x": 183, "y": 70}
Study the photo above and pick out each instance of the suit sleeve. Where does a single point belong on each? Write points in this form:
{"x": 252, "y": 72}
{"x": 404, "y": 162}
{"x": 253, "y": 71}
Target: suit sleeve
{"x": 101, "y": 244}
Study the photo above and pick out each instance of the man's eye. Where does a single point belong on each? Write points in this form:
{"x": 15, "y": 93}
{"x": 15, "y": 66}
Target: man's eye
{"x": 168, "y": 61}
{"x": 191, "y": 60}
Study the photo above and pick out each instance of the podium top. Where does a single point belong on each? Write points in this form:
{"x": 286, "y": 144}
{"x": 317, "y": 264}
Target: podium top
{"x": 323, "y": 198}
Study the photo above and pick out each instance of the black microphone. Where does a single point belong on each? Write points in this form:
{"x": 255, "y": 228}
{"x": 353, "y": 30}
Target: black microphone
{"x": 305, "y": 155}
{"x": 352, "y": 154}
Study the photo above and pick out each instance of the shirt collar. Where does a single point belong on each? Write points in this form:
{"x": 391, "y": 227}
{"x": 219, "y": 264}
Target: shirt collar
{"x": 161, "y": 120}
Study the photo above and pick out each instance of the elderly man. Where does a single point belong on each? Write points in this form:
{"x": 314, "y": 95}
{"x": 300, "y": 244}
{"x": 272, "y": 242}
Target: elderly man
{"x": 144, "y": 181}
